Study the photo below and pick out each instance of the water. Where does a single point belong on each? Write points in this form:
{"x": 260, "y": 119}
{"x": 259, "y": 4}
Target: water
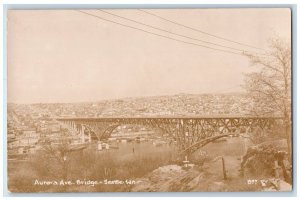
{"x": 140, "y": 148}
{"x": 231, "y": 146}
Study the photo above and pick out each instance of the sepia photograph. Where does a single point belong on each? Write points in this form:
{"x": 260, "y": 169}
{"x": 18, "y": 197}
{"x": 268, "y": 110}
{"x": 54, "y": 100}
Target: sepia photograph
{"x": 149, "y": 100}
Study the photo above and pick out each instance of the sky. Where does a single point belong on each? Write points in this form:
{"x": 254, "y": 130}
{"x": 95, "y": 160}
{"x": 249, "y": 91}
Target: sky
{"x": 69, "y": 56}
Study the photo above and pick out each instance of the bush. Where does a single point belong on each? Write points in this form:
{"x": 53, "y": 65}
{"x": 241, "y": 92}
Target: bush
{"x": 89, "y": 165}
{"x": 259, "y": 159}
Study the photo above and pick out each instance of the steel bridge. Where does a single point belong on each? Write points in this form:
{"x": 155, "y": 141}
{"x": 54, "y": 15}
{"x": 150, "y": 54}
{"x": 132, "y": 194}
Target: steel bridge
{"x": 190, "y": 133}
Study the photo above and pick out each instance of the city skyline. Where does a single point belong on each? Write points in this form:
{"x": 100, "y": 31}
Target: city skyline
{"x": 67, "y": 56}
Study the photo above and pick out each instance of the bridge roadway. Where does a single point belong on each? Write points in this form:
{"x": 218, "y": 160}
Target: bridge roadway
{"x": 186, "y": 130}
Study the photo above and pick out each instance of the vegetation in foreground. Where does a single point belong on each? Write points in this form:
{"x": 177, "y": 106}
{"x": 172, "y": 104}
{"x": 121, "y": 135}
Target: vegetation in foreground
{"x": 84, "y": 166}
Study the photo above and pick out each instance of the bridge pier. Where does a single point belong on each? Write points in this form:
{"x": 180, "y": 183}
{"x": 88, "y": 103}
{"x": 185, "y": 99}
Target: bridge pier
{"x": 81, "y": 131}
{"x": 90, "y": 136}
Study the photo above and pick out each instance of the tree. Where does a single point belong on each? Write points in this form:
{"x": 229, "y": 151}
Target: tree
{"x": 269, "y": 87}
{"x": 59, "y": 153}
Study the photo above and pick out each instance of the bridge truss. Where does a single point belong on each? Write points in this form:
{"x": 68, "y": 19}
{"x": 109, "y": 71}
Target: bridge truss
{"x": 190, "y": 133}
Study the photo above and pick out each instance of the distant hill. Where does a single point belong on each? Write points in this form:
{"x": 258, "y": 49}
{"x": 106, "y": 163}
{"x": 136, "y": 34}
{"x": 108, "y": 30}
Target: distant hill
{"x": 178, "y": 104}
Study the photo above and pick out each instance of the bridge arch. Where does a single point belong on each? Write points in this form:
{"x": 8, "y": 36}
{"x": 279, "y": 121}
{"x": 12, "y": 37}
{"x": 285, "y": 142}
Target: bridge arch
{"x": 189, "y": 132}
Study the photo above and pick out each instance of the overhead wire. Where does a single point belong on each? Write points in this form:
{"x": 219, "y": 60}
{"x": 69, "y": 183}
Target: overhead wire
{"x": 198, "y": 30}
{"x": 163, "y": 36}
{"x": 170, "y": 32}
